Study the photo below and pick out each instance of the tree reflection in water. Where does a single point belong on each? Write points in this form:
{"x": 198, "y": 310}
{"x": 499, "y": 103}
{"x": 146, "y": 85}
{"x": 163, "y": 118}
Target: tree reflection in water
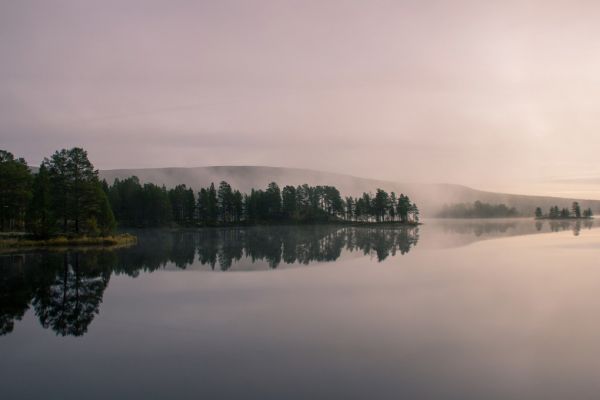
{"x": 65, "y": 289}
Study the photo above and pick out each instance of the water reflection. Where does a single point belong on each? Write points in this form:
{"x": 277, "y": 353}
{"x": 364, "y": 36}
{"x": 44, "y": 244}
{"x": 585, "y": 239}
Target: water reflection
{"x": 65, "y": 289}
{"x": 495, "y": 228}
{"x": 446, "y": 233}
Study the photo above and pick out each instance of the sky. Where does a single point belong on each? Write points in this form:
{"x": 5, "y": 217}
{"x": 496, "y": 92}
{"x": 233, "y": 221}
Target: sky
{"x": 496, "y": 95}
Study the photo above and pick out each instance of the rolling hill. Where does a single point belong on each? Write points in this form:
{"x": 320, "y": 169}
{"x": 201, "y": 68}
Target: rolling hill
{"x": 429, "y": 197}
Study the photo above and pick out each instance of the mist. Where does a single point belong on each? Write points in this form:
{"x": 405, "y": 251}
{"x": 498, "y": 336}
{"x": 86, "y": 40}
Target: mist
{"x": 494, "y": 96}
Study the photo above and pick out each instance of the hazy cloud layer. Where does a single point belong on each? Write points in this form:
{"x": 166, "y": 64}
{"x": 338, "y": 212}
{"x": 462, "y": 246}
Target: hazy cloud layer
{"x": 490, "y": 94}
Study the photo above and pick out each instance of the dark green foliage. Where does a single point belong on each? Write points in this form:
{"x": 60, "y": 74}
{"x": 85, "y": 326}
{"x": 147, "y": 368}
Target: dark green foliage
{"x": 380, "y": 204}
{"x": 74, "y": 185}
{"x": 65, "y": 196}
{"x": 104, "y": 216}
{"x": 288, "y": 197}
{"x": 140, "y": 206}
{"x": 403, "y": 207}
{"x": 478, "y": 210}
{"x": 155, "y": 207}
{"x": 207, "y": 206}
{"x": 565, "y": 213}
{"x": 225, "y": 203}
{"x": 40, "y": 216}
{"x": 68, "y": 198}
{"x": 576, "y": 210}
{"x": 238, "y": 206}
{"x": 272, "y": 200}
{"x": 183, "y": 205}
{"x": 15, "y": 191}
{"x": 302, "y": 204}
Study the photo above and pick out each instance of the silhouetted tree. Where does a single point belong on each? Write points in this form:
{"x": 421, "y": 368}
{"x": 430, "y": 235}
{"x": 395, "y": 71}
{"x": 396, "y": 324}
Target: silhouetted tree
{"x": 538, "y": 212}
{"x": 15, "y": 191}
{"x": 40, "y": 217}
{"x": 576, "y": 210}
{"x": 288, "y": 196}
{"x": 183, "y": 204}
{"x": 74, "y": 183}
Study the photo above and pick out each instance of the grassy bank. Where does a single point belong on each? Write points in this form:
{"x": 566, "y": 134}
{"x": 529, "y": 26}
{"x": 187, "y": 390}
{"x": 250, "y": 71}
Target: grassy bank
{"x": 65, "y": 241}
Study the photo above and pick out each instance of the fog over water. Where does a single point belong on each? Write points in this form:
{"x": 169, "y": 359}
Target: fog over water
{"x": 495, "y": 95}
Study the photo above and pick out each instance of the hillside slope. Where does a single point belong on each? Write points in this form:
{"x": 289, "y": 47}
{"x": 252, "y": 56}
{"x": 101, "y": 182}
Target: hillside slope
{"x": 429, "y": 197}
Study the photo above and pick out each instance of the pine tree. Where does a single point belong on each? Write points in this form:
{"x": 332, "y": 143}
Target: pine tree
{"x": 273, "y": 199}
{"x": 74, "y": 181}
{"x": 403, "y": 207}
{"x": 15, "y": 190}
{"x": 225, "y": 202}
{"x": 576, "y": 210}
{"x": 414, "y": 212}
{"x": 288, "y": 197}
{"x": 392, "y": 206}
{"x": 104, "y": 215}
{"x": 40, "y": 219}
{"x": 212, "y": 205}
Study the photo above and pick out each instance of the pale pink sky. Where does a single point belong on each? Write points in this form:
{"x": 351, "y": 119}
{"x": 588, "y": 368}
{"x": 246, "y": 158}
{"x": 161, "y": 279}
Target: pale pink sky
{"x": 498, "y": 95}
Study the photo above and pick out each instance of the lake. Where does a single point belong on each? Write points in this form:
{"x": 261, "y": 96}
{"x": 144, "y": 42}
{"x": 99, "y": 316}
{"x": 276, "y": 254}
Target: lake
{"x": 470, "y": 309}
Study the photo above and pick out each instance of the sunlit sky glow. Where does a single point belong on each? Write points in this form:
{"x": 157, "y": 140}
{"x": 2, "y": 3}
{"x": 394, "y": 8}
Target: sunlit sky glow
{"x": 496, "y": 95}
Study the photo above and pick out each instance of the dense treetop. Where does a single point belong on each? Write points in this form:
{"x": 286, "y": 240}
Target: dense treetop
{"x": 65, "y": 196}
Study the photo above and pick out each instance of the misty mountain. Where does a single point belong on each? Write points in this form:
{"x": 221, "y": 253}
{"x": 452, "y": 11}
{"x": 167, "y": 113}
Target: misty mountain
{"x": 429, "y": 197}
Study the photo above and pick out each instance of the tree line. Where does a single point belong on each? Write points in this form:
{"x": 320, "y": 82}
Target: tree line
{"x": 149, "y": 205}
{"x": 565, "y": 213}
{"x": 67, "y": 197}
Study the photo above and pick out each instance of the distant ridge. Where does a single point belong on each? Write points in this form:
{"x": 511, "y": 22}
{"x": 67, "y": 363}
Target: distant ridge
{"x": 430, "y": 197}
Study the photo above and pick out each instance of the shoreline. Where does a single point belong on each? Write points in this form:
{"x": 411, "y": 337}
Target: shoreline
{"x": 564, "y": 219}
{"x": 19, "y": 243}
{"x": 279, "y": 224}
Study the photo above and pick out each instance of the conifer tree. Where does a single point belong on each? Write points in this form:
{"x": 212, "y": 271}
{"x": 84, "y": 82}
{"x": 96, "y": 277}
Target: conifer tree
{"x": 40, "y": 219}
{"x": 538, "y": 212}
{"x": 576, "y": 210}
{"x": 15, "y": 190}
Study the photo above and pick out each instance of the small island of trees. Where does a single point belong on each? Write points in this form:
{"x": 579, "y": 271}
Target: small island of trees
{"x": 574, "y": 212}
{"x": 65, "y": 202}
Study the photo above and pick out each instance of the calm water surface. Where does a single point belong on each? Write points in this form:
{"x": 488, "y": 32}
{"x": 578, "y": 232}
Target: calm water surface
{"x": 504, "y": 309}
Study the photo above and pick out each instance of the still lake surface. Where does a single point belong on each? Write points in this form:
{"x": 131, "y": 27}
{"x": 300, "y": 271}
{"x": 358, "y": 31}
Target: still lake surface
{"x": 501, "y": 309}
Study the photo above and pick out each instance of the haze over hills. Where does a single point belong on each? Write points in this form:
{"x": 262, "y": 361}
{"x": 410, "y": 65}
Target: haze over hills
{"x": 430, "y": 197}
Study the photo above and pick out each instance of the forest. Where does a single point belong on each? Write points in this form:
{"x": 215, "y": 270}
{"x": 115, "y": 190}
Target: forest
{"x": 478, "y": 210}
{"x": 555, "y": 212}
{"x": 66, "y": 197}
